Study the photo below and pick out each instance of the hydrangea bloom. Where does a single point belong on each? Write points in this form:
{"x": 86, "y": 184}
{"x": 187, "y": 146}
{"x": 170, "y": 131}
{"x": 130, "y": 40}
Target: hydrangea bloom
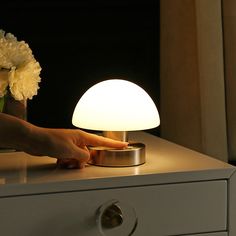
{"x": 23, "y": 70}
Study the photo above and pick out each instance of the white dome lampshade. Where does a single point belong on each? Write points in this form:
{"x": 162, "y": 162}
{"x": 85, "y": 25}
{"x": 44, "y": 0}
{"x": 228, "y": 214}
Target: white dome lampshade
{"x": 116, "y": 106}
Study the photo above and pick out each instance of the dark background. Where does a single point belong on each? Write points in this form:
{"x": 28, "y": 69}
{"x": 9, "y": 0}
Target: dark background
{"x": 79, "y": 43}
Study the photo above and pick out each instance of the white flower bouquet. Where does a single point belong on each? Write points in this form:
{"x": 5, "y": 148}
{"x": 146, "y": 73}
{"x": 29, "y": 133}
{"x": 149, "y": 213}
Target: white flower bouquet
{"x": 19, "y": 71}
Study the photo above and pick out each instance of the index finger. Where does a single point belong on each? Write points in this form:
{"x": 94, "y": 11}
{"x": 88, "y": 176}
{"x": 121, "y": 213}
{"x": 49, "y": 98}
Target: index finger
{"x": 96, "y": 140}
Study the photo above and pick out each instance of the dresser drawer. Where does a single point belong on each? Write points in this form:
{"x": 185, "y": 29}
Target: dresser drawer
{"x": 174, "y": 209}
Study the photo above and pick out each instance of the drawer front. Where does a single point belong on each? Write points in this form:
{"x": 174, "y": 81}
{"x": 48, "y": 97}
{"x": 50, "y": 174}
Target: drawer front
{"x": 174, "y": 209}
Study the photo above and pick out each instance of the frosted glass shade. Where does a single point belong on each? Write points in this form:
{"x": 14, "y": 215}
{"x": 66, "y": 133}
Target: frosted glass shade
{"x": 116, "y": 105}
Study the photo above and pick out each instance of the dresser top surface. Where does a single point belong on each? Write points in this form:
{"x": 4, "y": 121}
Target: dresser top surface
{"x": 165, "y": 162}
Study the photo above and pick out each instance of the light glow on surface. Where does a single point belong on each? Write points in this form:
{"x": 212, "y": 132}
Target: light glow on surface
{"x": 116, "y": 105}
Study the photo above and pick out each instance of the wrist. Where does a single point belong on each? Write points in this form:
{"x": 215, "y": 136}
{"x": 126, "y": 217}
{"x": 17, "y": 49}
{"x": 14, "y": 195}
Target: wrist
{"x": 33, "y": 140}
{"x": 23, "y": 136}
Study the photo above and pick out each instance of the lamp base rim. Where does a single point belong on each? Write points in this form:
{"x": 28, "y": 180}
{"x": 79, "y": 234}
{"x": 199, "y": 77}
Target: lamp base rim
{"x": 133, "y": 155}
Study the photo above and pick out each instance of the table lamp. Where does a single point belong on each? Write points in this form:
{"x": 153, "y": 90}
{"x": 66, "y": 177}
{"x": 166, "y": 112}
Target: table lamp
{"x": 116, "y": 106}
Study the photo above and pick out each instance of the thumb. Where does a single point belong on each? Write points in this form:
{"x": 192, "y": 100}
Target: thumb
{"x": 77, "y": 158}
{"x": 80, "y": 153}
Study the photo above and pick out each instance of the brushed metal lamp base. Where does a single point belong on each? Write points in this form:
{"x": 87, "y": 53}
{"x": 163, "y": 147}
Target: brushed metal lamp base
{"x": 133, "y": 155}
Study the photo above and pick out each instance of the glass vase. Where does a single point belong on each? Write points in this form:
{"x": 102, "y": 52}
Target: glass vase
{"x": 14, "y": 107}
{"x": 8, "y": 104}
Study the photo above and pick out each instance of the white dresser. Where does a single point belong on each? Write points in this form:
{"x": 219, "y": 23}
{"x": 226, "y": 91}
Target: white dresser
{"x": 176, "y": 192}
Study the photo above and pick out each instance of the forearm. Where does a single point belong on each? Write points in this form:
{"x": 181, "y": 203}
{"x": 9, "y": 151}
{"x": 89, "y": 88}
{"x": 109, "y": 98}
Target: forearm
{"x": 58, "y": 143}
{"x": 14, "y": 133}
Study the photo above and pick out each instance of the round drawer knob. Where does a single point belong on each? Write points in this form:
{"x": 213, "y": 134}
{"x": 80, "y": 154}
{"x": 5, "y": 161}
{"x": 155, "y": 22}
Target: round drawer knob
{"x": 115, "y": 218}
{"x": 112, "y": 217}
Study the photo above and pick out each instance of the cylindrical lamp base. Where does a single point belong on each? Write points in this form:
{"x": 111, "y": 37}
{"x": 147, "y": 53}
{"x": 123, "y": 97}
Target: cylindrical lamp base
{"x": 133, "y": 155}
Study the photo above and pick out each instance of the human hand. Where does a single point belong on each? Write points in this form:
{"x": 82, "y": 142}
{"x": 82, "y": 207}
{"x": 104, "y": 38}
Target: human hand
{"x": 69, "y": 146}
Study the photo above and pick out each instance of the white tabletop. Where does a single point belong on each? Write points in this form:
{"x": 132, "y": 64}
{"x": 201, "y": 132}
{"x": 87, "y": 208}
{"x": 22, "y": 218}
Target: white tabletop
{"x": 166, "y": 162}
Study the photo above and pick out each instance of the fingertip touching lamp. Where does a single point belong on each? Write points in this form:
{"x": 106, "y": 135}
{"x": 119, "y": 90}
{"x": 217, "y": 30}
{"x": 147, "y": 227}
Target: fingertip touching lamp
{"x": 116, "y": 106}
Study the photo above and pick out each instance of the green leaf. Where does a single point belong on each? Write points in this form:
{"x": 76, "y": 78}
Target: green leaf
{"x": 2, "y": 101}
